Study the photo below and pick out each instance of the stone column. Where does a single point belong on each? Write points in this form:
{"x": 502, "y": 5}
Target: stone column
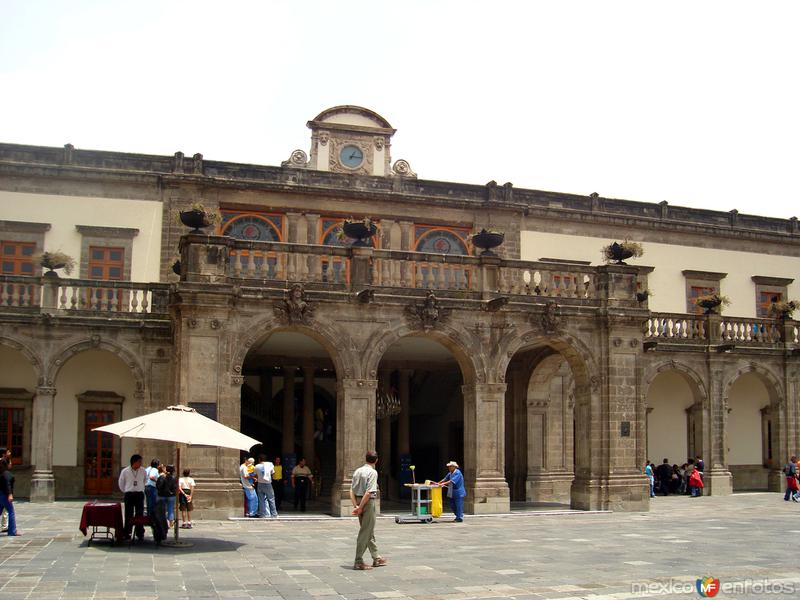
{"x": 385, "y": 449}
{"x": 404, "y": 418}
{"x": 386, "y": 233}
{"x": 292, "y": 235}
{"x": 717, "y": 478}
{"x": 287, "y": 447}
{"x": 484, "y": 448}
{"x": 42, "y": 481}
{"x": 355, "y": 435}
{"x": 308, "y": 413}
{"x": 405, "y": 235}
{"x": 312, "y": 238}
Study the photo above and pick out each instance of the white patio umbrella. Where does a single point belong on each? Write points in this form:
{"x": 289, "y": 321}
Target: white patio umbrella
{"x": 183, "y": 425}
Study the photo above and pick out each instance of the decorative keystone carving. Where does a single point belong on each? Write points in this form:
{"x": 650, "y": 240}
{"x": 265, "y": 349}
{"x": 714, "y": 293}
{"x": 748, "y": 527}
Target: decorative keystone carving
{"x": 323, "y": 137}
{"x": 294, "y": 308}
{"x": 380, "y": 141}
{"x": 429, "y": 313}
{"x": 297, "y": 159}
{"x": 94, "y": 340}
{"x": 550, "y": 320}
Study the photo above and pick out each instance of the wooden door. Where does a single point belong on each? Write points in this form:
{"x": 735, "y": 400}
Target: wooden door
{"x": 98, "y": 454}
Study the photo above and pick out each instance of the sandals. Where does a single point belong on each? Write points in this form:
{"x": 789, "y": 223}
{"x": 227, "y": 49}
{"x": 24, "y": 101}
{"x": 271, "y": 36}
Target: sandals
{"x": 362, "y": 567}
{"x": 380, "y": 562}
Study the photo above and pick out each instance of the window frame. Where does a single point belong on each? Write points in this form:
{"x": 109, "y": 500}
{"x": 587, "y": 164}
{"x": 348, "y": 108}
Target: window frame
{"x": 709, "y": 280}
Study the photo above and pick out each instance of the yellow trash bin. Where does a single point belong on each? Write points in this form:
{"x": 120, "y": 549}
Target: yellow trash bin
{"x": 436, "y": 502}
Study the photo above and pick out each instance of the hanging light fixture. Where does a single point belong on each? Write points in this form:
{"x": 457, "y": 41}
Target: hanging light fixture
{"x": 387, "y": 403}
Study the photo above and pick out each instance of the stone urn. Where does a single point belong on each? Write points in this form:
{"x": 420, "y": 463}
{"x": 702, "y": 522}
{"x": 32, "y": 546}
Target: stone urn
{"x": 176, "y": 268}
{"x": 619, "y": 253}
{"x": 195, "y": 218}
{"x": 486, "y": 240}
{"x": 360, "y": 231}
{"x": 709, "y": 305}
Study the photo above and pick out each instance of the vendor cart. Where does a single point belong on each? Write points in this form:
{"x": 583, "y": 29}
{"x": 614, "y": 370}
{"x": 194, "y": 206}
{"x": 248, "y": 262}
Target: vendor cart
{"x": 424, "y": 504}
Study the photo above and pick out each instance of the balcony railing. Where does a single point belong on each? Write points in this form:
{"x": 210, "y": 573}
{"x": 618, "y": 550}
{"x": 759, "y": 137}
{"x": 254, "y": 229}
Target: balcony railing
{"x": 277, "y": 261}
{"x": 83, "y": 296}
{"x": 703, "y": 329}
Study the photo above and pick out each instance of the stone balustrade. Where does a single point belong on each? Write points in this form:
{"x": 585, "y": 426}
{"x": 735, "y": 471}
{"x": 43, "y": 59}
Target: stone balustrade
{"x": 741, "y": 331}
{"x": 83, "y": 296}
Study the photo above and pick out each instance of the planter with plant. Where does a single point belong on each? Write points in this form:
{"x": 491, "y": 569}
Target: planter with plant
{"x": 359, "y": 230}
{"x": 619, "y": 252}
{"x": 710, "y": 302}
{"x": 53, "y": 261}
{"x": 198, "y": 216}
{"x": 486, "y": 239}
{"x": 643, "y": 295}
{"x": 784, "y": 309}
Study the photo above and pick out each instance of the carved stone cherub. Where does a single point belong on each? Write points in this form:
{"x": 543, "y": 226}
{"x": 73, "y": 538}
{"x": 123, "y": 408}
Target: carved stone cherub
{"x": 429, "y": 313}
{"x": 294, "y": 308}
{"x": 551, "y": 319}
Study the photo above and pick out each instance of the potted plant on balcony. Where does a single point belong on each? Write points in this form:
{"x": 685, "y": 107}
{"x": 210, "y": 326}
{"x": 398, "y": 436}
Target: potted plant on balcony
{"x": 710, "y": 302}
{"x": 783, "y": 309}
{"x": 643, "y": 295}
{"x": 486, "y": 239}
{"x": 618, "y": 252}
{"x": 198, "y": 216}
{"x": 53, "y": 261}
{"x": 359, "y": 230}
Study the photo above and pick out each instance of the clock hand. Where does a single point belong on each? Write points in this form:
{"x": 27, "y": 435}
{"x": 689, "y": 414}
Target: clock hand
{"x": 352, "y": 155}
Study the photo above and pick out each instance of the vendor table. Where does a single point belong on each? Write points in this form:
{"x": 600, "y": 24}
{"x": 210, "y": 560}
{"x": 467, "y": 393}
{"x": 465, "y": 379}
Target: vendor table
{"x": 102, "y": 517}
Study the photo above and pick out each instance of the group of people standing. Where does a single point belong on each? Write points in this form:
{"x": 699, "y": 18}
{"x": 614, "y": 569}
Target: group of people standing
{"x": 156, "y": 488}
{"x": 263, "y": 485}
{"x": 667, "y": 479}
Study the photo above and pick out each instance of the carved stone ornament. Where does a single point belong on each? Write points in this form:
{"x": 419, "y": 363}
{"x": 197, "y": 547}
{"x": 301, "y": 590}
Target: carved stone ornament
{"x": 428, "y": 314}
{"x": 297, "y": 159}
{"x": 94, "y": 340}
{"x": 323, "y": 137}
{"x": 215, "y": 324}
{"x": 401, "y": 168}
{"x": 294, "y": 309}
{"x": 380, "y": 141}
{"x": 551, "y": 318}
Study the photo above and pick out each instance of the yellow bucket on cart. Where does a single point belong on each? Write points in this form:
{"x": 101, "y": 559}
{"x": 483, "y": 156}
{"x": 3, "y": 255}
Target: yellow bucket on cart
{"x": 436, "y": 502}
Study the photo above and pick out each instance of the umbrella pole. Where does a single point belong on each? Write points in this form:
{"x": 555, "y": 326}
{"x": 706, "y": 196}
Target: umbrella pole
{"x": 177, "y": 470}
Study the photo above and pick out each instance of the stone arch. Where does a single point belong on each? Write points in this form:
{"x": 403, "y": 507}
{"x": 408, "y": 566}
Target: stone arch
{"x": 767, "y": 377}
{"x": 688, "y": 373}
{"x": 455, "y": 340}
{"x": 33, "y": 358}
{"x": 575, "y": 352}
{"x": 338, "y": 344}
{"x": 60, "y": 358}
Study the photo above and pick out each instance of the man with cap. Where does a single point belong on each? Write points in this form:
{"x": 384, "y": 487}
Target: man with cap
{"x": 455, "y": 489}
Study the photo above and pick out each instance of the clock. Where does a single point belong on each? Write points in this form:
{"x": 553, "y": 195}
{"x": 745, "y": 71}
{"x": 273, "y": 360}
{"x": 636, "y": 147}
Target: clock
{"x": 351, "y": 156}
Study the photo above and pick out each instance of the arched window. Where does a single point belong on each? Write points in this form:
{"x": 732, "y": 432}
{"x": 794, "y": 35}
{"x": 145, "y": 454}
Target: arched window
{"x": 253, "y": 227}
{"x": 440, "y": 240}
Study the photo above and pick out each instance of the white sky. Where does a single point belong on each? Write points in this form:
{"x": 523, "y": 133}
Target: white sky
{"x": 696, "y": 103}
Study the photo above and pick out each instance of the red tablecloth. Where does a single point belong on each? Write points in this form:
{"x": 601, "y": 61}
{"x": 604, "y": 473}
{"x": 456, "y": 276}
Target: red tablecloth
{"x": 102, "y": 514}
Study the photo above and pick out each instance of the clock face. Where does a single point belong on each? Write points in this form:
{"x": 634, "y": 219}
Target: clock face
{"x": 351, "y": 156}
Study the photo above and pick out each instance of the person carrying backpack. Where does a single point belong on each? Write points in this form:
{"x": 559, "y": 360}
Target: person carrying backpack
{"x": 790, "y": 470}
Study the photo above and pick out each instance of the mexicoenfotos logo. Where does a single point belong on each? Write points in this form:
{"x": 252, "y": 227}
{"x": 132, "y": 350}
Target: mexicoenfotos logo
{"x": 707, "y": 587}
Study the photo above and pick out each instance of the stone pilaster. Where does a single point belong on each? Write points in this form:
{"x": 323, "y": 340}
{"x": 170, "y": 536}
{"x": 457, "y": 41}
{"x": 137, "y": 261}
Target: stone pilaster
{"x": 293, "y": 220}
{"x": 484, "y": 452}
{"x": 386, "y": 234}
{"x": 312, "y": 237}
{"x": 355, "y": 436}
{"x": 43, "y": 485}
{"x": 405, "y": 235}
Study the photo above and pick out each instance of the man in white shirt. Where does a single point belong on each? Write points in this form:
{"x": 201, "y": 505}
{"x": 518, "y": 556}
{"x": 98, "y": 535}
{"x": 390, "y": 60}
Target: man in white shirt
{"x": 265, "y": 470}
{"x": 131, "y": 482}
{"x": 363, "y": 493}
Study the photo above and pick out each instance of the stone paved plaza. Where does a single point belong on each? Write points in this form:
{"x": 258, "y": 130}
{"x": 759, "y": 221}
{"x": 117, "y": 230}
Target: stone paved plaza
{"x": 533, "y": 555}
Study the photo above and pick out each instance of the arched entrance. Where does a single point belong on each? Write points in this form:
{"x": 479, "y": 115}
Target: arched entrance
{"x": 547, "y": 417}
{"x": 93, "y": 387}
{"x": 752, "y": 432}
{"x": 420, "y": 381}
{"x": 674, "y": 418}
{"x": 17, "y": 391}
{"x": 288, "y": 401}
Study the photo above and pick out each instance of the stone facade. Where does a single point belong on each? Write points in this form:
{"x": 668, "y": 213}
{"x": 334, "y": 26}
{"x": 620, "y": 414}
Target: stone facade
{"x": 552, "y": 361}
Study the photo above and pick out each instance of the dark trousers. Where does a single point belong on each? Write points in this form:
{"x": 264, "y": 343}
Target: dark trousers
{"x": 277, "y": 486}
{"x": 158, "y": 520}
{"x": 134, "y": 504}
{"x": 300, "y": 492}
